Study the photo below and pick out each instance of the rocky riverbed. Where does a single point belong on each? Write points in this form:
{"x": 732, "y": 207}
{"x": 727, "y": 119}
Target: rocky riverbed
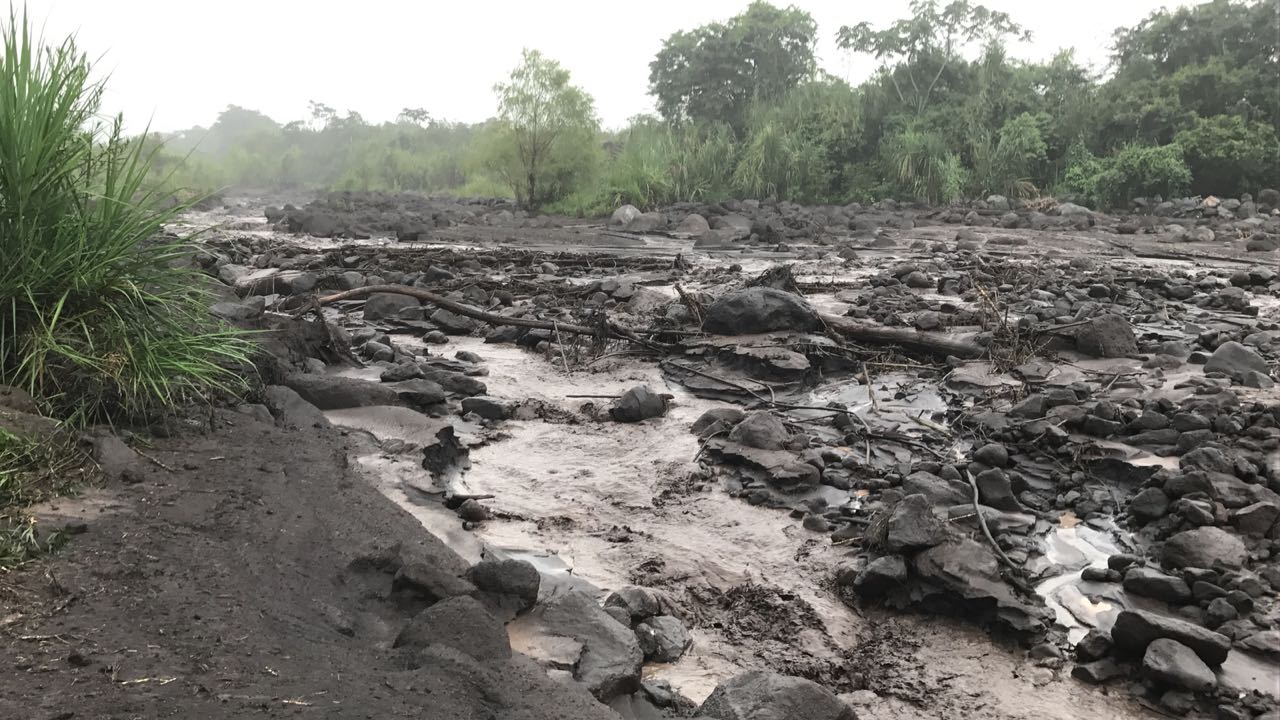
{"x": 1000, "y": 460}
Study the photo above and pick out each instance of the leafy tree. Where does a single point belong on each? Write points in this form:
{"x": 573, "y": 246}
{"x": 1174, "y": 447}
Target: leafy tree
{"x": 1133, "y": 171}
{"x": 715, "y": 72}
{"x": 918, "y": 50}
{"x": 544, "y": 142}
{"x": 1228, "y": 155}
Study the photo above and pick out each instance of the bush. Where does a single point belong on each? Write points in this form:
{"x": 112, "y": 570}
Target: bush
{"x": 1133, "y": 171}
{"x": 102, "y": 317}
{"x": 1229, "y": 156}
{"x": 920, "y": 166}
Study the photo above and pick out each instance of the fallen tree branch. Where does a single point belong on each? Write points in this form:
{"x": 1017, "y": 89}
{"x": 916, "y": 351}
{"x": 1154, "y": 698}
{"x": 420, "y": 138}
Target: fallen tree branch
{"x": 615, "y": 330}
{"x": 931, "y": 343}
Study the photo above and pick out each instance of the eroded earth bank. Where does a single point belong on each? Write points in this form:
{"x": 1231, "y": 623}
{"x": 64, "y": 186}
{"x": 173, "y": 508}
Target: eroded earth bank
{"x": 749, "y": 460}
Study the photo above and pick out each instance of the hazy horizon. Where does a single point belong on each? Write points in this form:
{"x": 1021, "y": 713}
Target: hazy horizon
{"x": 178, "y": 68}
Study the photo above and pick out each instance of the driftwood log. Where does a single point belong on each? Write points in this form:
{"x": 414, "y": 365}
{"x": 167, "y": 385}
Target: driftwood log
{"x": 921, "y": 342}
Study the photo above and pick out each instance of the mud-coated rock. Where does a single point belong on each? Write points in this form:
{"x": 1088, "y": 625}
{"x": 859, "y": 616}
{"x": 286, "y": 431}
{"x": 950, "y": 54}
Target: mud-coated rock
{"x": 992, "y": 455}
{"x": 383, "y": 306}
{"x": 719, "y": 418}
{"x": 1107, "y": 336}
{"x": 693, "y": 224}
{"x": 1172, "y": 663}
{"x": 764, "y": 695}
{"x": 761, "y": 429}
{"x": 1095, "y": 645}
{"x": 515, "y": 579}
{"x": 461, "y": 623}
{"x": 881, "y": 576}
{"x": 638, "y": 403}
{"x": 624, "y": 215}
{"x": 940, "y": 491}
{"x": 1149, "y": 504}
{"x": 1234, "y": 360}
{"x": 290, "y": 410}
{"x": 662, "y": 638}
{"x": 912, "y": 525}
{"x": 1134, "y": 630}
{"x": 1204, "y": 547}
{"x": 611, "y": 656}
{"x": 489, "y": 408}
{"x": 638, "y": 602}
{"x": 334, "y": 392}
{"x": 1155, "y": 584}
{"x": 759, "y": 310}
{"x": 995, "y": 489}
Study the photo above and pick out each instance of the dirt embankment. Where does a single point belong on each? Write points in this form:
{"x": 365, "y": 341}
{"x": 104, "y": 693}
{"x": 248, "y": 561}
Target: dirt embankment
{"x": 246, "y": 571}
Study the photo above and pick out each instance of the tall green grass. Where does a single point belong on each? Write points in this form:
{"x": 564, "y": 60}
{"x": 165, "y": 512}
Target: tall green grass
{"x": 101, "y": 314}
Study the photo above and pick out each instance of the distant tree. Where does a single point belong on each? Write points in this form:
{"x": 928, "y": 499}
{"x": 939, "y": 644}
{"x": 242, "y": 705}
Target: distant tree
{"x": 414, "y": 116}
{"x": 321, "y": 114}
{"x": 715, "y": 72}
{"x": 917, "y": 50}
{"x": 545, "y": 138}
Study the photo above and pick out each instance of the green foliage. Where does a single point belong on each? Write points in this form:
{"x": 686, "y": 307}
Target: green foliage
{"x": 948, "y": 115}
{"x": 919, "y": 165}
{"x": 1228, "y": 155}
{"x": 544, "y": 144}
{"x": 714, "y": 73}
{"x": 100, "y": 315}
{"x": 1133, "y": 171}
{"x": 922, "y": 47}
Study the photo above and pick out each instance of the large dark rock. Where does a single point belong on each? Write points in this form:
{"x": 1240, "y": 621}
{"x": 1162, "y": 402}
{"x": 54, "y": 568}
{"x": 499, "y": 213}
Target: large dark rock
{"x": 639, "y": 603}
{"x": 1107, "y": 336}
{"x": 759, "y": 310}
{"x": 881, "y": 576}
{"x": 383, "y": 306}
{"x": 638, "y": 403}
{"x": 1172, "y": 663}
{"x": 996, "y": 490}
{"x": 968, "y": 574}
{"x": 1234, "y": 360}
{"x": 611, "y": 657}
{"x": 662, "y": 638}
{"x": 1155, "y": 584}
{"x": 1204, "y": 547}
{"x": 453, "y": 323}
{"x": 940, "y": 491}
{"x": 290, "y": 410}
{"x": 461, "y": 623}
{"x": 334, "y": 392}
{"x": 762, "y": 430}
{"x": 489, "y": 408}
{"x": 764, "y": 695}
{"x": 912, "y": 525}
{"x": 716, "y": 420}
{"x": 507, "y": 581}
{"x": 1134, "y": 630}
{"x": 1149, "y": 504}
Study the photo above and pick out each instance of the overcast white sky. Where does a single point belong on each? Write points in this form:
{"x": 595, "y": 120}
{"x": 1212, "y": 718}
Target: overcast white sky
{"x": 179, "y": 63}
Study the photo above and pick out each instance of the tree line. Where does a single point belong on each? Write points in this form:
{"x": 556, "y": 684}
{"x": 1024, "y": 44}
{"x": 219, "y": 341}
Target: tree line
{"x": 1190, "y": 104}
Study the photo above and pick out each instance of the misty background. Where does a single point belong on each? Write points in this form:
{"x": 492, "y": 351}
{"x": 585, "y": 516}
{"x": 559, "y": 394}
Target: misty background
{"x": 180, "y": 64}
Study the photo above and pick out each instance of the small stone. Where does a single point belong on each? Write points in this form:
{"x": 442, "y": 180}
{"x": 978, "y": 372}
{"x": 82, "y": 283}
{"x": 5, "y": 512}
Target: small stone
{"x": 1097, "y": 672}
{"x": 992, "y": 455}
{"x": 1095, "y": 645}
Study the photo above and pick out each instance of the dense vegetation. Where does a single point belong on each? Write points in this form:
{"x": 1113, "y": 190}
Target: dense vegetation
{"x": 1190, "y": 104}
{"x": 100, "y": 315}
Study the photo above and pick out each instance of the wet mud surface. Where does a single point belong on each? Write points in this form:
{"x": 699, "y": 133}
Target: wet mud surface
{"x": 922, "y": 458}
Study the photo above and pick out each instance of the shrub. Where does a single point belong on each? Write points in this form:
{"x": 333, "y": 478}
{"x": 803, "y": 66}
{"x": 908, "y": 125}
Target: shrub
{"x": 1229, "y": 156}
{"x": 920, "y": 166}
{"x": 100, "y": 316}
{"x": 1133, "y": 171}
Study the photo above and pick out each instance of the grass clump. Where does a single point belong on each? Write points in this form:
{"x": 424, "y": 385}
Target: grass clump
{"x": 101, "y": 314}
